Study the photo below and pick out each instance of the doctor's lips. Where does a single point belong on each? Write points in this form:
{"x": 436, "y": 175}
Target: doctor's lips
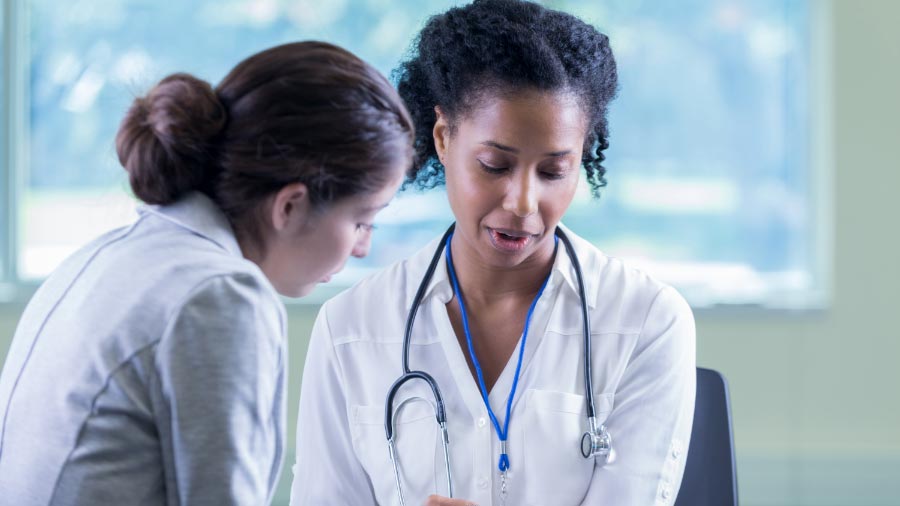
{"x": 509, "y": 240}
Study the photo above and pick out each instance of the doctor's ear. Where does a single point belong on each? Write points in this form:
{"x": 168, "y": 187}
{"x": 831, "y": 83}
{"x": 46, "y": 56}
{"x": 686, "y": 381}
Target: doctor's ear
{"x": 441, "y": 133}
{"x": 291, "y": 208}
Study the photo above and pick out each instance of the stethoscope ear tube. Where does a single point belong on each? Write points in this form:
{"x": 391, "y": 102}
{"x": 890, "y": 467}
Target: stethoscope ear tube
{"x": 407, "y": 375}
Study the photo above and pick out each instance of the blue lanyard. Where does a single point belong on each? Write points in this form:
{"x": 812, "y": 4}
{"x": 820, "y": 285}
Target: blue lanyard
{"x": 503, "y": 433}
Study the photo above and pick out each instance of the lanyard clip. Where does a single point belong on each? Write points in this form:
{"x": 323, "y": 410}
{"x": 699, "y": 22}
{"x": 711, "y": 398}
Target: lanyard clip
{"x": 503, "y": 465}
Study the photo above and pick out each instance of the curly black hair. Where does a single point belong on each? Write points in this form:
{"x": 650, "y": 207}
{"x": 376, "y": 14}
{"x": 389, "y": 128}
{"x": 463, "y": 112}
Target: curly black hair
{"x": 500, "y": 46}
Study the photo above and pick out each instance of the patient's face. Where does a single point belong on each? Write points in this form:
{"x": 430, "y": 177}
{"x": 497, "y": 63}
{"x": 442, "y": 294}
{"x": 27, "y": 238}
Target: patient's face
{"x": 311, "y": 251}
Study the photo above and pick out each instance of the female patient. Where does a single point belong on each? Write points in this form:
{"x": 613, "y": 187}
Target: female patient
{"x": 510, "y": 102}
{"x": 150, "y": 367}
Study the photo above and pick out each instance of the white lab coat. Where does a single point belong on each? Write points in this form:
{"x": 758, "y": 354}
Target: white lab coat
{"x": 643, "y": 341}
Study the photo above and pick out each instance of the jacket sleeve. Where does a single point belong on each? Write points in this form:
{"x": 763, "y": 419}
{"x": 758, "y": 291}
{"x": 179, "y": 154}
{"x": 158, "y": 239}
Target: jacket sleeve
{"x": 220, "y": 405}
{"x": 327, "y": 470}
{"x": 653, "y": 411}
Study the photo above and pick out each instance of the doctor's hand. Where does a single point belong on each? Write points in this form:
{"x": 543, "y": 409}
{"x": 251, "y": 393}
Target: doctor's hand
{"x": 436, "y": 500}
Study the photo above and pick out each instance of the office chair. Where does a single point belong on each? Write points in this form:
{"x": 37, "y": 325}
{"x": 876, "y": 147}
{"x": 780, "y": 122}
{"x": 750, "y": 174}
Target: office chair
{"x": 710, "y": 474}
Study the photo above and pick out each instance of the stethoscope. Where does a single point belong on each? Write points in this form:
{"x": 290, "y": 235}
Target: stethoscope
{"x": 595, "y": 442}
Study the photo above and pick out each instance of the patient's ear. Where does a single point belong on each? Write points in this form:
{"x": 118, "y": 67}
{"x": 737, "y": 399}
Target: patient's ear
{"x": 291, "y": 209}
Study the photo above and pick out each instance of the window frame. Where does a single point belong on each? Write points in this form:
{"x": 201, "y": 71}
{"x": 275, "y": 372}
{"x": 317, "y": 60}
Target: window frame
{"x": 13, "y": 145}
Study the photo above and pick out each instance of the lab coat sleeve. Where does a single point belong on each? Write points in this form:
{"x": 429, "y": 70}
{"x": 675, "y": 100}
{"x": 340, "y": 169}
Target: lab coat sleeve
{"x": 222, "y": 393}
{"x": 653, "y": 411}
{"x": 326, "y": 471}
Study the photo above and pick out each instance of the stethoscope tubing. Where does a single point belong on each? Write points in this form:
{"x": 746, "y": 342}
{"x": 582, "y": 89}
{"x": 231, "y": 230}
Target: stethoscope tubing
{"x": 440, "y": 410}
{"x": 585, "y": 322}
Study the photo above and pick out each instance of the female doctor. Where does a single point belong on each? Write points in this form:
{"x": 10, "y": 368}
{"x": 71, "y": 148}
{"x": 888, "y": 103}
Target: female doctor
{"x": 510, "y": 103}
{"x": 150, "y": 367}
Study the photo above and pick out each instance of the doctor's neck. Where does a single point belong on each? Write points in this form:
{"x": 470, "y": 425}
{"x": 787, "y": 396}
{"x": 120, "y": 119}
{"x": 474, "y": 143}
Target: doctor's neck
{"x": 483, "y": 281}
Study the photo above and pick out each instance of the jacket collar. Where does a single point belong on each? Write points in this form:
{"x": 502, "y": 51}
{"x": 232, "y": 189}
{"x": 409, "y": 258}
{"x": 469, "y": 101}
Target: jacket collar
{"x": 200, "y": 215}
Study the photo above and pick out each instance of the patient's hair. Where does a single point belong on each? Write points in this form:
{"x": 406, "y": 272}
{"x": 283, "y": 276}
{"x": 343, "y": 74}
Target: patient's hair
{"x": 307, "y": 112}
{"x": 494, "y": 47}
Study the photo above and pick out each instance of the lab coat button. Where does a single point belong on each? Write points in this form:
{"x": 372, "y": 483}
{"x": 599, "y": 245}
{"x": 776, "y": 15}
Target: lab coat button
{"x": 666, "y": 492}
{"x": 677, "y": 448}
{"x": 482, "y": 483}
{"x": 482, "y": 422}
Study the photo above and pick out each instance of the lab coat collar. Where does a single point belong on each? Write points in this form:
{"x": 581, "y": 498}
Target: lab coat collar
{"x": 440, "y": 282}
{"x": 563, "y": 271}
{"x": 591, "y": 261}
{"x": 197, "y": 213}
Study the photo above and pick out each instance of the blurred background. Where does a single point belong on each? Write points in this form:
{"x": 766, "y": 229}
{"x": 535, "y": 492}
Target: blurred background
{"x": 753, "y": 165}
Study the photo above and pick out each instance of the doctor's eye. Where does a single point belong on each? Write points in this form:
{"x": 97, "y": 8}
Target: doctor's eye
{"x": 491, "y": 169}
{"x": 553, "y": 175}
{"x": 367, "y": 227}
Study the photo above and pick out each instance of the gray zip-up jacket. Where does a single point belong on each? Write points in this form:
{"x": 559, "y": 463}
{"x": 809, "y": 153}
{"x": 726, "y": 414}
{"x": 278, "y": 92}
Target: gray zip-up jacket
{"x": 148, "y": 369}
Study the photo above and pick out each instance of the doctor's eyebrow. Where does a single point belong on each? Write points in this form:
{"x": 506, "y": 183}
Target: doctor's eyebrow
{"x": 510, "y": 149}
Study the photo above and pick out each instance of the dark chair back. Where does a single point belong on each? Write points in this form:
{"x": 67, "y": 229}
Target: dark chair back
{"x": 710, "y": 474}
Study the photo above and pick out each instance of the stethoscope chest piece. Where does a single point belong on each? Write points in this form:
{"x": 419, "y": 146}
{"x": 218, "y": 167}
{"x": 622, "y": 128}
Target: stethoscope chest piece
{"x": 597, "y": 443}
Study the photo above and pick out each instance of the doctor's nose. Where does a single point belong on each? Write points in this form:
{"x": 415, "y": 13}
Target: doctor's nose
{"x": 522, "y": 196}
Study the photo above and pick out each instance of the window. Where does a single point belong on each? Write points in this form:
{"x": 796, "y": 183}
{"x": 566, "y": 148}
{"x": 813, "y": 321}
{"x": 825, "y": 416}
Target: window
{"x": 710, "y": 178}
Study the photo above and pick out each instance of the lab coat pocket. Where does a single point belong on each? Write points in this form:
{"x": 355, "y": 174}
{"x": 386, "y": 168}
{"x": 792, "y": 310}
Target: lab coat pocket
{"x": 416, "y": 437}
{"x": 557, "y": 473}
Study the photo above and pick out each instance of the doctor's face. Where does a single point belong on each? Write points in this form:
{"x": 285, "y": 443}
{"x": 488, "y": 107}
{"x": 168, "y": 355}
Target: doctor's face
{"x": 512, "y": 166}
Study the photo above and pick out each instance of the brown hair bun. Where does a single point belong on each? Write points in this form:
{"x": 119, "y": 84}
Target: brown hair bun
{"x": 166, "y": 140}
